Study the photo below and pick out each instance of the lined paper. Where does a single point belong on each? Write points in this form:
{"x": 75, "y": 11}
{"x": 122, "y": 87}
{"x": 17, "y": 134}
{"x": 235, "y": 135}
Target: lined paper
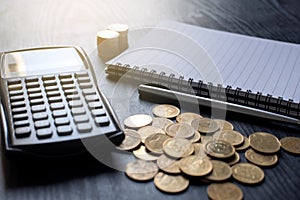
{"x": 267, "y": 66}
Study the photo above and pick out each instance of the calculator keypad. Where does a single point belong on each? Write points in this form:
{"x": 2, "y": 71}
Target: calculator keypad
{"x": 54, "y": 108}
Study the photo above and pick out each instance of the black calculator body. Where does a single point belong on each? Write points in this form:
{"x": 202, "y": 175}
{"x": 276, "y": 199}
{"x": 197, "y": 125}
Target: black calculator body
{"x": 50, "y": 102}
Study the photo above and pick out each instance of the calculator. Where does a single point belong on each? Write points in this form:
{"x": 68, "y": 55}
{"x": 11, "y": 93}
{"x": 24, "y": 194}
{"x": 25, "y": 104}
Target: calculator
{"x": 50, "y": 102}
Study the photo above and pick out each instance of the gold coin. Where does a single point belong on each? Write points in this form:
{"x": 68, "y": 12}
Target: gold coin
{"x": 196, "y": 137}
{"x": 244, "y": 145}
{"x": 166, "y": 111}
{"x": 291, "y": 144}
{"x": 154, "y": 143}
{"x": 178, "y": 147}
{"x": 224, "y": 191}
{"x": 247, "y": 173}
{"x": 221, "y": 171}
{"x": 223, "y": 124}
{"x": 219, "y": 149}
{"x": 137, "y": 121}
{"x": 187, "y": 117}
{"x": 264, "y": 160}
{"x": 233, "y": 137}
{"x": 132, "y": 139}
{"x": 199, "y": 151}
{"x": 168, "y": 164}
{"x": 141, "y": 170}
{"x": 264, "y": 142}
{"x": 180, "y": 130}
{"x": 161, "y": 122}
{"x": 233, "y": 159}
{"x": 170, "y": 183}
{"x": 146, "y": 131}
{"x": 205, "y": 125}
{"x": 194, "y": 166}
{"x": 143, "y": 154}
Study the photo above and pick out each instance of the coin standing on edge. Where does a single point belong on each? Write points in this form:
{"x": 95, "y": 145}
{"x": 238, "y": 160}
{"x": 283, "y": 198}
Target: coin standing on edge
{"x": 132, "y": 139}
{"x": 137, "y": 121}
{"x": 264, "y": 160}
{"x": 291, "y": 144}
{"x": 141, "y": 170}
{"x": 247, "y": 173}
{"x": 224, "y": 191}
{"x": 166, "y": 111}
{"x": 264, "y": 142}
{"x": 170, "y": 183}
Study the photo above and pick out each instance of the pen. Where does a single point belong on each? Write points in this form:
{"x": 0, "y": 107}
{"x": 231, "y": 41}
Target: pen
{"x": 174, "y": 95}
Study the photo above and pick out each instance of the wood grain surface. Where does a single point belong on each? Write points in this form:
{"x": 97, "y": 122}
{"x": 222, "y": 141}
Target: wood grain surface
{"x": 54, "y": 22}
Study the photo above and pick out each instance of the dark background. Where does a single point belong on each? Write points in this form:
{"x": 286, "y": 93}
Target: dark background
{"x": 38, "y": 23}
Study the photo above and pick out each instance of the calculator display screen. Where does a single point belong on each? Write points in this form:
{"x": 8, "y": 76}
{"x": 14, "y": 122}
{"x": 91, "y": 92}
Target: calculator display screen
{"x": 42, "y": 61}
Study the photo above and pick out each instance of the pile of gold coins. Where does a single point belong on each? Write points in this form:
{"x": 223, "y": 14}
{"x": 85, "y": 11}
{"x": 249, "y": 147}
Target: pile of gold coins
{"x": 172, "y": 153}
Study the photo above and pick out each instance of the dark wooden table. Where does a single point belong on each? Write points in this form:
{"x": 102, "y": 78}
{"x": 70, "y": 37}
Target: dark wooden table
{"x": 38, "y": 23}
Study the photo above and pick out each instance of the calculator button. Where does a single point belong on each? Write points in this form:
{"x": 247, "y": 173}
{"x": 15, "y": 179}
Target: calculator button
{"x": 17, "y": 104}
{"x": 32, "y": 85}
{"x": 21, "y": 123}
{"x": 48, "y": 77}
{"x": 88, "y": 91}
{"x": 54, "y": 99}
{"x": 85, "y": 85}
{"x": 14, "y": 81}
{"x": 34, "y": 102}
{"x": 73, "y": 97}
{"x": 44, "y": 133}
{"x": 65, "y": 75}
{"x": 84, "y": 128}
{"x": 75, "y": 104}
{"x": 59, "y": 113}
{"x": 83, "y": 79}
{"x": 51, "y": 88}
{"x": 71, "y": 92}
{"x": 81, "y": 74}
{"x": 35, "y": 96}
{"x": 15, "y": 93}
{"x": 61, "y": 121}
{"x": 15, "y": 87}
{"x": 78, "y": 111}
{"x": 42, "y": 124}
{"x": 49, "y": 83}
{"x": 19, "y": 110}
{"x": 22, "y": 132}
{"x": 64, "y": 130}
{"x": 57, "y": 106}
{"x": 94, "y": 105}
{"x": 40, "y": 116}
{"x": 31, "y": 79}
{"x": 68, "y": 87}
{"x": 20, "y": 117}
{"x": 66, "y": 81}
{"x": 81, "y": 119}
{"x": 90, "y": 98}
{"x": 38, "y": 108}
{"x": 17, "y": 98}
{"x": 33, "y": 90}
{"x": 98, "y": 112}
{"x": 53, "y": 93}
{"x": 102, "y": 121}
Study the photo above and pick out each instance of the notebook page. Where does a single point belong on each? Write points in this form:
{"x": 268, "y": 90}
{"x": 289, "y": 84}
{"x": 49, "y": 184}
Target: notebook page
{"x": 267, "y": 66}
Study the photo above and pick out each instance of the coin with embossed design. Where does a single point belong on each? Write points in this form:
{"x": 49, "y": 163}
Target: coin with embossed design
{"x": 161, "y": 122}
{"x": 143, "y": 154}
{"x": 233, "y": 137}
{"x": 170, "y": 183}
{"x": 168, "y": 164}
{"x": 178, "y": 147}
{"x": 264, "y": 160}
{"x": 205, "y": 125}
{"x": 247, "y": 173}
{"x": 219, "y": 149}
{"x": 264, "y": 142}
{"x": 195, "y": 166}
{"x": 291, "y": 144}
{"x": 224, "y": 191}
{"x": 141, "y": 170}
{"x": 180, "y": 130}
{"x": 223, "y": 124}
{"x": 187, "y": 117}
{"x": 221, "y": 171}
{"x": 132, "y": 139}
{"x": 149, "y": 130}
{"x": 166, "y": 111}
{"x": 154, "y": 143}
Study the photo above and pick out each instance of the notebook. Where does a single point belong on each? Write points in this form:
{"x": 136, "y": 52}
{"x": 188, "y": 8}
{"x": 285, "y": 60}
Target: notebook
{"x": 250, "y": 71}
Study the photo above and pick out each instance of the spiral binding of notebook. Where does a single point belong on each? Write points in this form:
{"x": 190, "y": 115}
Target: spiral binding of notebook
{"x": 208, "y": 90}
